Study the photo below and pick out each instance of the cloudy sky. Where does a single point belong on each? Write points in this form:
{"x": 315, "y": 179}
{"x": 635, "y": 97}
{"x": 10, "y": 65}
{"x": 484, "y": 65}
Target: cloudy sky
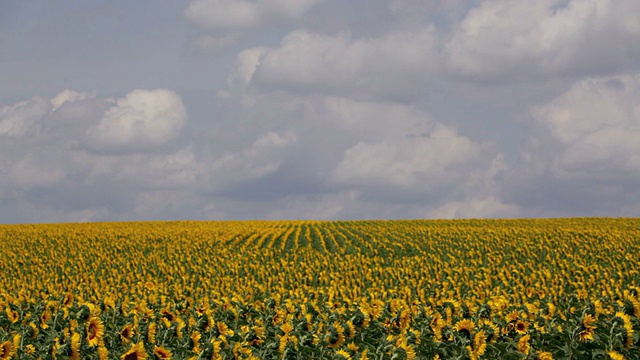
{"x": 321, "y": 109}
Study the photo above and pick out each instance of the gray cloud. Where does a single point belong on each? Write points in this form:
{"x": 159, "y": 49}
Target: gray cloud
{"x": 46, "y": 162}
{"x": 506, "y": 41}
{"x": 585, "y": 156}
{"x": 234, "y": 109}
{"x": 340, "y": 64}
{"x": 242, "y": 14}
{"x": 141, "y": 120}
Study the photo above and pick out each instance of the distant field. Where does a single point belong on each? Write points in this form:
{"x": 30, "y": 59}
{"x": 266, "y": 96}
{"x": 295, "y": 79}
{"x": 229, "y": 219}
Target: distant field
{"x": 467, "y": 289}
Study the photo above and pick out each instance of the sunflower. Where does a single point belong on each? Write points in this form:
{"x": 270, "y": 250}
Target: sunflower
{"x": 437, "y": 324}
{"x": 286, "y": 328}
{"x": 33, "y": 330}
{"x": 12, "y": 315}
{"x": 363, "y": 355}
{"x": 545, "y": 355}
{"x": 217, "y": 347}
{"x": 29, "y": 349}
{"x": 6, "y": 350}
{"x": 136, "y": 352}
{"x": 513, "y": 316}
{"x": 103, "y": 353}
{"x": 335, "y": 336}
{"x": 341, "y": 354}
{"x": 523, "y": 344}
{"x": 588, "y": 321}
{"x": 127, "y": 333}
{"x": 224, "y": 330}
{"x": 16, "y": 341}
{"x": 479, "y": 346}
{"x": 405, "y": 349}
{"x": 195, "y": 342}
{"x": 405, "y": 319}
{"x": 626, "y": 319}
{"x": 490, "y": 329}
{"x": 151, "y": 333}
{"x": 521, "y": 327}
{"x": 465, "y": 326}
{"x": 75, "y": 346}
{"x": 167, "y": 314}
{"x": 615, "y": 355}
{"x": 150, "y": 285}
{"x": 161, "y": 353}
{"x": 586, "y": 335}
{"x": 628, "y": 327}
{"x": 95, "y": 331}
{"x": 352, "y": 330}
{"x": 68, "y": 299}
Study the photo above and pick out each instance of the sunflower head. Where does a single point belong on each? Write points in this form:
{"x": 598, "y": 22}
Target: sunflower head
{"x": 127, "y": 333}
{"x": 6, "y": 350}
{"x": 161, "y": 353}
{"x": 286, "y": 328}
{"x": 589, "y": 321}
{"x": 343, "y": 355}
{"x": 521, "y": 327}
{"x": 523, "y": 344}
{"x": 586, "y": 335}
{"x": 545, "y": 355}
{"x": 136, "y": 352}
{"x": 95, "y": 331}
{"x": 67, "y": 300}
{"x": 335, "y": 337}
{"x": 465, "y": 326}
{"x": 76, "y": 340}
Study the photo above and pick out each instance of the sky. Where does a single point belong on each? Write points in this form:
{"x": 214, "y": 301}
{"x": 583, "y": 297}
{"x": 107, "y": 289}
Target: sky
{"x": 318, "y": 109}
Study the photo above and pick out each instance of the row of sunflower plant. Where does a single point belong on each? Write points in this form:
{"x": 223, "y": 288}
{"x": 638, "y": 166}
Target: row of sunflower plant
{"x": 508, "y": 289}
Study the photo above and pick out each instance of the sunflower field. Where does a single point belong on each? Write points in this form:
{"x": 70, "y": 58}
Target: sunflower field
{"x": 414, "y": 289}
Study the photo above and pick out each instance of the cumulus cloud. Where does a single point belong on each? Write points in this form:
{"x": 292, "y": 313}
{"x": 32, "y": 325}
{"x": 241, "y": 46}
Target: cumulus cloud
{"x": 67, "y": 96}
{"x": 584, "y": 157}
{"x": 23, "y": 118}
{"x": 339, "y": 64}
{"x": 142, "y": 120}
{"x": 264, "y": 156}
{"x": 390, "y": 152}
{"x": 224, "y": 22}
{"x": 501, "y": 40}
{"x": 429, "y": 160}
{"x": 334, "y": 112}
{"x": 46, "y": 165}
{"x": 598, "y": 123}
{"x": 243, "y": 14}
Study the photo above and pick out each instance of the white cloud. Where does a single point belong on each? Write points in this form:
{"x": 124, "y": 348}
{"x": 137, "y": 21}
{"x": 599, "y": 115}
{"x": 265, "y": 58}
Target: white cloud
{"x": 247, "y": 62}
{"x": 261, "y": 158}
{"x": 598, "y": 124}
{"x": 142, "y": 120}
{"x": 45, "y": 167}
{"x": 489, "y": 207}
{"x": 421, "y": 161}
{"x": 30, "y": 173}
{"x": 504, "y": 40}
{"x": 23, "y": 118}
{"x": 307, "y": 61}
{"x": 582, "y": 157}
{"x": 224, "y": 15}
{"x": 69, "y": 96}
{"x": 375, "y": 121}
{"x": 398, "y": 153}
